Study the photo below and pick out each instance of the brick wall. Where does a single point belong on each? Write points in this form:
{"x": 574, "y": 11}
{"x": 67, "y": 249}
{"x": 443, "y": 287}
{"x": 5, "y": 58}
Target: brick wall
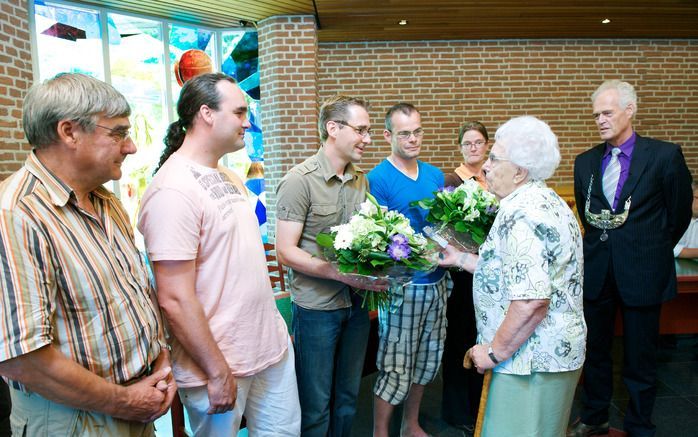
{"x": 449, "y": 81}
{"x": 15, "y": 78}
{"x": 288, "y": 80}
{"x": 492, "y": 81}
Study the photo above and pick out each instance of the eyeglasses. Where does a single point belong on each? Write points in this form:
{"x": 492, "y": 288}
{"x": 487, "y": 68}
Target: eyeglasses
{"x": 494, "y": 158}
{"x": 478, "y": 144}
{"x": 363, "y": 130}
{"x": 118, "y": 133}
{"x": 605, "y": 114}
{"x": 405, "y": 134}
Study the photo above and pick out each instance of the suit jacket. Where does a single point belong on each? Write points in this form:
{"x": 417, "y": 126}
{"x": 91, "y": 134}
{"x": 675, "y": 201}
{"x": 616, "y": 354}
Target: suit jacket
{"x": 640, "y": 251}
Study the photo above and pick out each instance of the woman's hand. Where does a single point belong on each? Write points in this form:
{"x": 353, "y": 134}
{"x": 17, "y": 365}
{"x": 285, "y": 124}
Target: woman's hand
{"x": 480, "y": 358}
{"x": 449, "y": 257}
{"x": 452, "y": 257}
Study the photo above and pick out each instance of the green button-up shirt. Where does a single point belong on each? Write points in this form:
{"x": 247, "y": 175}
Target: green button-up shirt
{"x": 311, "y": 193}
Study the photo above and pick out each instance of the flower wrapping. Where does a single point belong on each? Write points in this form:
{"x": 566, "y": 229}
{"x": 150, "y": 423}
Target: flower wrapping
{"x": 378, "y": 244}
{"x": 462, "y": 216}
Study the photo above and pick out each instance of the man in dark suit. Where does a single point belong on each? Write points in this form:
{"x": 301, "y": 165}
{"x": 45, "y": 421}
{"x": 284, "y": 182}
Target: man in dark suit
{"x": 634, "y": 203}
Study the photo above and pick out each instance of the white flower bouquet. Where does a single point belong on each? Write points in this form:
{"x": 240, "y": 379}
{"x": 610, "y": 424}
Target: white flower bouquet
{"x": 378, "y": 244}
{"x": 462, "y": 216}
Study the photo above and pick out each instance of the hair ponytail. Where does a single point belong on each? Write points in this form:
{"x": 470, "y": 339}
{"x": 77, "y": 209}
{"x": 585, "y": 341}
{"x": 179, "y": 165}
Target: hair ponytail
{"x": 173, "y": 141}
{"x": 201, "y": 90}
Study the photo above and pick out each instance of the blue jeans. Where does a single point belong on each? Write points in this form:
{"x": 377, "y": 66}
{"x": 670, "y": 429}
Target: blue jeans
{"x": 330, "y": 350}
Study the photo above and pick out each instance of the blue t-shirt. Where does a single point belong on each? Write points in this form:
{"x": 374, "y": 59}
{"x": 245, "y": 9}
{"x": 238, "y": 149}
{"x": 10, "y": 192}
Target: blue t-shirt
{"x": 393, "y": 189}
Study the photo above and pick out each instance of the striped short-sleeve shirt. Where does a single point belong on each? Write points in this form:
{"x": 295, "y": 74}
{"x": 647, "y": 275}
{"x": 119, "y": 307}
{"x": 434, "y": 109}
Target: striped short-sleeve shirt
{"x": 73, "y": 280}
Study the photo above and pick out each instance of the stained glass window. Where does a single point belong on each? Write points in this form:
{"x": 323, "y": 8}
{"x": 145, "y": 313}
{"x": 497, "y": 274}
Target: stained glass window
{"x": 69, "y": 40}
{"x": 136, "y": 56}
{"x": 150, "y": 75}
{"x": 241, "y": 61}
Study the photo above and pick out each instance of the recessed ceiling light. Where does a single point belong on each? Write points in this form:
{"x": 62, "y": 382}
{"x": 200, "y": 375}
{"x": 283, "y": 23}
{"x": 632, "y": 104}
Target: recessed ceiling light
{"x": 605, "y": 21}
{"x": 402, "y": 22}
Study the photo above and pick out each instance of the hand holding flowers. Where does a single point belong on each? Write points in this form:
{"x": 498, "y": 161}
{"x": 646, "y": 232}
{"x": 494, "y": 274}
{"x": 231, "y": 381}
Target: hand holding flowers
{"x": 452, "y": 257}
{"x": 378, "y": 244}
{"x": 463, "y": 215}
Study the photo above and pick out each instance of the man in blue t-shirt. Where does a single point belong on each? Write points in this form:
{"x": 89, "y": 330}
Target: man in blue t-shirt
{"x": 412, "y": 337}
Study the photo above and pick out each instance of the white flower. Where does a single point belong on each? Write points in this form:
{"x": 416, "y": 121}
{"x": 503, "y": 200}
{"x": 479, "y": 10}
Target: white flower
{"x": 362, "y": 226}
{"x": 343, "y": 239}
{"x": 376, "y": 240}
{"x": 339, "y": 228}
{"x": 419, "y": 240}
{"x": 368, "y": 208}
{"x": 404, "y": 228}
{"x": 472, "y": 215}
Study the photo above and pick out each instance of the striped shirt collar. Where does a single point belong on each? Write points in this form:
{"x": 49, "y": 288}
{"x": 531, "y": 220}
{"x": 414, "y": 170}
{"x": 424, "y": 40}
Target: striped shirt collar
{"x": 59, "y": 192}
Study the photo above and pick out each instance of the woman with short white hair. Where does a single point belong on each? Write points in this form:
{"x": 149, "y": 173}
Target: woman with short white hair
{"x": 527, "y": 288}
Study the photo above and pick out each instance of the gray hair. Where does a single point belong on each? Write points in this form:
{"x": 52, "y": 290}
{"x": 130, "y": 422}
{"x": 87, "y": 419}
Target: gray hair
{"x": 626, "y": 92}
{"x": 530, "y": 144}
{"x": 68, "y": 96}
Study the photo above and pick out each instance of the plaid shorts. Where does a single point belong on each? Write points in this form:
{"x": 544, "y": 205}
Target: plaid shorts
{"x": 411, "y": 340}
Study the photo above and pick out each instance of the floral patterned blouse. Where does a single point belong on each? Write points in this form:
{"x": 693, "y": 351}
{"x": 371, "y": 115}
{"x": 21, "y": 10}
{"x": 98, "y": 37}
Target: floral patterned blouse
{"x": 534, "y": 251}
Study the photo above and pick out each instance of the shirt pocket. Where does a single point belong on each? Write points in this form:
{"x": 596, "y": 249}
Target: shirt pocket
{"x": 321, "y": 218}
{"x": 392, "y": 353}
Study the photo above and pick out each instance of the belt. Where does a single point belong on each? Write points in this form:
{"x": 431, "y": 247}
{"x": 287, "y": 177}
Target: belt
{"x": 147, "y": 371}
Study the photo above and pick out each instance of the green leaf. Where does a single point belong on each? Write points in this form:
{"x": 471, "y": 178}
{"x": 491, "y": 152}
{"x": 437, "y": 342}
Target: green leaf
{"x": 324, "y": 240}
{"x": 379, "y": 256}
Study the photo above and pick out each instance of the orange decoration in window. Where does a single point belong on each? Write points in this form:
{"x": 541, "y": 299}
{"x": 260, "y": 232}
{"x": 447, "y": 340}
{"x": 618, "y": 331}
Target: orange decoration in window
{"x": 191, "y": 64}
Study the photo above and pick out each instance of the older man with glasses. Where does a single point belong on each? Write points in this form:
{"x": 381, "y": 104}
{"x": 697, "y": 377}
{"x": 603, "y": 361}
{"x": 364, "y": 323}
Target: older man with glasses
{"x": 82, "y": 344}
{"x": 411, "y": 337}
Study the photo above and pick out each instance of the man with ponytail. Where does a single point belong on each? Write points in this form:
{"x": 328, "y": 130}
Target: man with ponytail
{"x": 230, "y": 345}
{"x": 81, "y": 344}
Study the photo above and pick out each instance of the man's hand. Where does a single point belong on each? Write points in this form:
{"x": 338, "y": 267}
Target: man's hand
{"x": 51, "y": 374}
{"x": 222, "y": 393}
{"x": 187, "y": 321}
{"x": 362, "y": 283}
{"x": 167, "y": 385}
{"x": 146, "y": 402}
{"x": 288, "y": 235}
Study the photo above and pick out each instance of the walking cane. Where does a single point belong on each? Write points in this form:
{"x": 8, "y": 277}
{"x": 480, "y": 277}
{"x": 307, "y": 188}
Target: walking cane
{"x": 468, "y": 364}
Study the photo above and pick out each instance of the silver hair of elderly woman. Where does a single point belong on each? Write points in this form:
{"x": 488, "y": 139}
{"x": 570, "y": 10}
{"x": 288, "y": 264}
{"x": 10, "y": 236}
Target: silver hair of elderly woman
{"x": 530, "y": 144}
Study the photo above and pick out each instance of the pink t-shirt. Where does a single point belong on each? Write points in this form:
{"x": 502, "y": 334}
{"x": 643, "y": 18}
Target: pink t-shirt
{"x": 194, "y": 212}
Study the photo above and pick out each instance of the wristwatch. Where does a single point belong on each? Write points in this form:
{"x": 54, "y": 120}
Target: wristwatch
{"x": 490, "y": 352}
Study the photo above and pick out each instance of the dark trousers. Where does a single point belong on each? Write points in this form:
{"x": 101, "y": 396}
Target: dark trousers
{"x": 640, "y": 342}
{"x": 460, "y": 398}
{"x": 330, "y": 349}
{"x": 5, "y": 408}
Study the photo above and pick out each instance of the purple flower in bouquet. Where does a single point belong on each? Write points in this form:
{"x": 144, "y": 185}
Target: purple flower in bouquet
{"x": 400, "y": 239}
{"x": 448, "y": 189}
{"x": 377, "y": 244}
{"x": 398, "y": 250}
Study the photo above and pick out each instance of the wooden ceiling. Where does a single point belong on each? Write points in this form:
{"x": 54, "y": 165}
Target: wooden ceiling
{"x": 374, "y": 20}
